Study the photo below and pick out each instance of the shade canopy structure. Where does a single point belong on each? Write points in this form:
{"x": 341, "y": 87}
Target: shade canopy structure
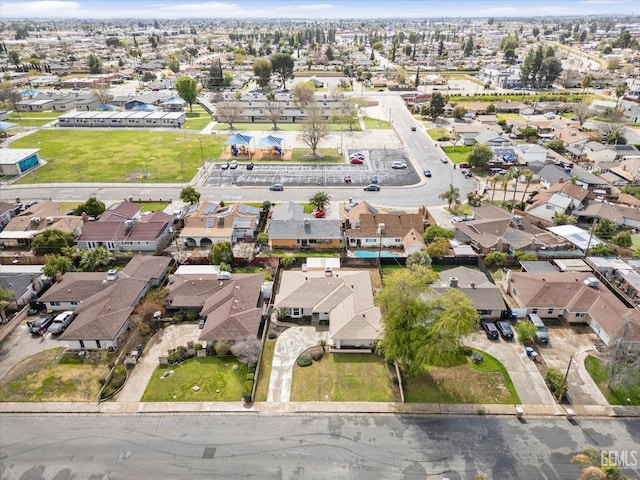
{"x": 145, "y": 107}
{"x": 28, "y": 92}
{"x": 270, "y": 141}
{"x": 4, "y": 126}
{"x": 105, "y": 107}
{"x": 238, "y": 139}
{"x": 175, "y": 101}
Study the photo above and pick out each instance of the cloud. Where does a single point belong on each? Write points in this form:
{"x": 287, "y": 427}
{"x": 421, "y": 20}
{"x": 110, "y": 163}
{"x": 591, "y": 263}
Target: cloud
{"x": 44, "y": 8}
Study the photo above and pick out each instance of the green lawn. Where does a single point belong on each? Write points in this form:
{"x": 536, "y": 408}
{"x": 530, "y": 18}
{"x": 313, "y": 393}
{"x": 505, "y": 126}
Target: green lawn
{"x": 487, "y": 383}
{"x": 209, "y": 373}
{"x": 31, "y": 122}
{"x": 287, "y": 127}
{"x": 388, "y": 269}
{"x": 329, "y": 155}
{"x": 265, "y": 370}
{"x": 459, "y": 153}
{"x": 376, "y": 124}
{"x": 118, "y": 155}
{"x": 510, "y": 117}
{"x": 635, "y": 241}
{"x": 16, "y": 115}
{"x": 343, "y": 377}
{"x": 438, "y": 133}
{"x": 153, "y": 206}
{"x": 600, "y": 375}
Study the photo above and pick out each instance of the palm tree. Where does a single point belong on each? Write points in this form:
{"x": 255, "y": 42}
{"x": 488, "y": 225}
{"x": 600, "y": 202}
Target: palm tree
{"x": 451, "y": 196}
{"x": 494, "y": 180}
{"x": 528, "y": 176}
{"x": 323, "y": 343}
{"x": 505, "y": 184}
{"x": 515, "y": 174}
{"x": 320, "y": 200}
{"x": 95, "y": 258}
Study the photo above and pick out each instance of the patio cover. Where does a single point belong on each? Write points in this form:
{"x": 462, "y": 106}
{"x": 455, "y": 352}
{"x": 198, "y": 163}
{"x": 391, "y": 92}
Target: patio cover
{"x": 4, "y": 126}
{"x": 107, "y": 107}
{"x": 270, "y": 141}
{"x": 238, "y": 139}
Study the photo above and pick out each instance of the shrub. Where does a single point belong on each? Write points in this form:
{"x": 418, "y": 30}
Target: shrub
{"x": 317, "y": 354}
{"x": 477, "y": 357}
{"x": 223, "y": 347}
{"x": 117, "y": 380}
{"x": 465, "y": 350}
{"x": 247, "y": 391}
{"x": 304, "y": 360}
{"x": 272, "y": 335}
{"x": 251, "y": 368}
{"x": 251, "y": 376}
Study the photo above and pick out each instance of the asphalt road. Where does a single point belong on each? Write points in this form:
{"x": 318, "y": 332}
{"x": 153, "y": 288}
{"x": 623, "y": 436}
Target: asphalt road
{"x": 301, "y": 447}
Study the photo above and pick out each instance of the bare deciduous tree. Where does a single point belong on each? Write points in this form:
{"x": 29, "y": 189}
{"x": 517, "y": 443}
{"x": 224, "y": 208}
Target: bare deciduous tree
{"x": 314, "y": 129}
{"x": 247, "y": 350}
{"x": 275, "y": 109}
{"x": 623, "y": 357}
{"x": 228, "y": 112}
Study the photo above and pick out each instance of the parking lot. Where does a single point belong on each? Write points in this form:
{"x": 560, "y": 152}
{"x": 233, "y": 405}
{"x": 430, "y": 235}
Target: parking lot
{"x": 377, "y": 162}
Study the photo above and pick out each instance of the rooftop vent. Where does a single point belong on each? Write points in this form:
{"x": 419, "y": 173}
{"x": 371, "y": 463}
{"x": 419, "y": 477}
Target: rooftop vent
{"x": 112, "y": 274}
{"x": 453, "y": 282}
{"x": 592, "y": 282}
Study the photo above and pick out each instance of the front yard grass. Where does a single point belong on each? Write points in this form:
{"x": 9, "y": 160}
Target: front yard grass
{"x": 487, "y": 382}
{"x": 600, "y": 375}
{"x": 54, "y": 376}
{"x": 438, "y": 133}
{"x": 118, "y": 155}
{"x": 208, "y": 373}
{"x": 458, "y": 154}
{"x": 376, "y": 124}
{"x": 510, "y": 117}
{"x": 265, "y": 370}
{"x": 343, "y": 377}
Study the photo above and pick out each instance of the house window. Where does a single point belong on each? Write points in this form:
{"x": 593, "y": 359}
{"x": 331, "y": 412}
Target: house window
{"x": 371, "y": 240}
{"x": 98, "y": 344}
{"x": 55, "y": 304}
{"x": 549, "y": 311}
{"x": 580, "y": 315}
{"x": 81, "y": 344}
{"x": 75, "y": 303}
{"x": 515, "y": 292}
{"x": 296, "y": 312}
{"x": 534, "y": 310}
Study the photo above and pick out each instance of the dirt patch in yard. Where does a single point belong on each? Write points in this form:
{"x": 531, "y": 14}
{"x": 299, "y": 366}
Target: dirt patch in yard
{"x": 460, "y": 384}
{"x": 47, "y": 377}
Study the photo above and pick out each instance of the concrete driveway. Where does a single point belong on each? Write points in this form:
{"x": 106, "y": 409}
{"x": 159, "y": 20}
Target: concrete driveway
{"x": 524, "y": 374}
{"x": 158, "y": 345}
{"x": 290, "y": 344}
{"x": 573, "y": 345}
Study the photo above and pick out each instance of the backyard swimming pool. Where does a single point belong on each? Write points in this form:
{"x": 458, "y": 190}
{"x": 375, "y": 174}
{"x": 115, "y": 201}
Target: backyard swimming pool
{"x": 373, "y": 254}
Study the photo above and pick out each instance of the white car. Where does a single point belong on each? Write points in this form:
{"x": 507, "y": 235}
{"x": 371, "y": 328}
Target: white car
{"x": 233, "y": 165}
{"x": 457, "y": 220}
{"x": 61, "y": 322}
{"x": 444, "y": 159}
{"x": 398, "y": 165}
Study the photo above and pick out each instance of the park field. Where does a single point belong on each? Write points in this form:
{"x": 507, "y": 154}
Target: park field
{"x": 79, "y": 156}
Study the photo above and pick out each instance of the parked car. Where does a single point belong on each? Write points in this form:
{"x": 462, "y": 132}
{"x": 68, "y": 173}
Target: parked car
{"x": 250, "y": 166}
{"x": 319, "y": 213}
{"x": 61, "y": 322}
{"x": 375, "y": 179}
{"x": 356, "y": 161}
{"x": 276, "y": 187}
{"x": 40, "y": 325}
{"x": 413, "y": 129}
{"x": 444, "y": 159}
{"x": 427, "y": 173}
{"x": 490, "y": 330}
{"x": 372, "y": 188}
{"x": 505, "y": 330}
{"x": 347, "y": 179}
{"x": 359, "y": 155}
{"x": 233, "y": 165}
{"x": 467, "y": 173}
{"x": 457, "y": 219}
{"x": 225, "y": 166}
{"x": 542, "y": 334}
{"x": 399, "y": 165}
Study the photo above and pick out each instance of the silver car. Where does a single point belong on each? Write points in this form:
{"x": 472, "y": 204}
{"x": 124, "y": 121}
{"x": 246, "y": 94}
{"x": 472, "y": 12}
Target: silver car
{"x": 61, "y": 322}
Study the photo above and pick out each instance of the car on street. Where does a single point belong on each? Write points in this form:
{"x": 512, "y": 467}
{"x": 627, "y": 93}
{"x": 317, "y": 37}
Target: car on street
{"x": 457, "y": 219}
{"x": 375, "y": 179}
{"x": 61, "y": 322}
{"x": 40, "y": 325}
{"x": 225, "y": 166}
{"x": 505, "y": 330}
{"x": 444, "y": 159}
{"x": 319, "y": 213}
{"x": 490, "y": 330}
{"x": 356, "y": 161}
{"x": 399, "y": 165}
{"x": 250, "y": 166}
{"x": 467, "y": 173}
{"x": 347, "y": 179}
{"x": 276, "y": 187}
{"x": 372, "y": 188}
{"x": 427, "y": 173}
{"x": 233, "y": 165}
{"x": 413, "y": 129}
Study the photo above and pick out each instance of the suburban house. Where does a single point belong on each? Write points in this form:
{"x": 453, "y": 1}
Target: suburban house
{"x": 621, "y": 215}
{"x": 558, "y": 199}
{"x": 232, "y": 308}
{"x": 206, "y": 223}
{"x": 467, "y": 133}
{"x": 402, "y": 231}
{"x": 25, "y": 281}
{"x": 577, "y": 297}
{"x": 485, "y": 295}
{"x": 530, "y": 152}
{"x": 552, "y": 174}
{"x": 343, "y": 301}
{"x": 21, "y": 229}
{"x": 620, "y": 171}
{"x": 290, "y": 227}
{"x": 7, "y": 212}
{"x": 126, "y": 228}
{"x": 103, "y": 302}
{"x": 495, "y": 229}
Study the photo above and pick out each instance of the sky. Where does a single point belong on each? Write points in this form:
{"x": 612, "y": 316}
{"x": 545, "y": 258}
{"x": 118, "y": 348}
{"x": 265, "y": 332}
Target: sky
{"x": 310, "y": 9}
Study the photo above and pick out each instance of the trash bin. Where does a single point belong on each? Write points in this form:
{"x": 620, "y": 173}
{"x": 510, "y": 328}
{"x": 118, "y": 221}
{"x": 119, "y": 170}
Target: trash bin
{"x": 529, "y": 351}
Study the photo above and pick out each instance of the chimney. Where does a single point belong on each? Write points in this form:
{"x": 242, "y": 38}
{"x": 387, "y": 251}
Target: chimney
{"x": 85, "y": 217}
{"x": 472, "y": 284}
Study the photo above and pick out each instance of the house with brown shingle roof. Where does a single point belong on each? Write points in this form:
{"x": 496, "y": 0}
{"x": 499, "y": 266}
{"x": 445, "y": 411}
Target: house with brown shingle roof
{"x": 232, "y": 308}
{"x": 560, "y": 198}
{"x": 21, "y": 229}
{"x": 576, "y": 297}
{"x": 388, "y": 230}
{"x": 621, "y": 215}
{"x": 343, "y": 301}
{"x": 206, "y": 223}
{"x": 104, "y": 302}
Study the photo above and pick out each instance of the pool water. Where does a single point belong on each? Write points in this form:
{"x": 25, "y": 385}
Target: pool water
{"x": 373, "y": 254}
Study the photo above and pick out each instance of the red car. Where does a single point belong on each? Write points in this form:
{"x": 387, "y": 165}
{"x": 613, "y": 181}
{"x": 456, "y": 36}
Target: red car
{"x": 357, "y": 161}
{"x": 319, "y": 213}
